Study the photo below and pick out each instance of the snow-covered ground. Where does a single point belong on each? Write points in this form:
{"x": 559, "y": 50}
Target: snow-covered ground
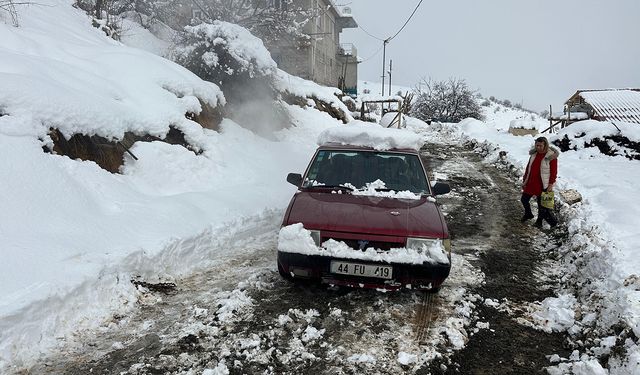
{"x": 72, "y": 235}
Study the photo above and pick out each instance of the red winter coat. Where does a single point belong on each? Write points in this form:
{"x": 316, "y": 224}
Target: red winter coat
{"x": 541, "y": 171}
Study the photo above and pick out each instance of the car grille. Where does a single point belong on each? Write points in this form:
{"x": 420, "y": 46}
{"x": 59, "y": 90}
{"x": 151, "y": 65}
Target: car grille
{"x": 356, "y": 244}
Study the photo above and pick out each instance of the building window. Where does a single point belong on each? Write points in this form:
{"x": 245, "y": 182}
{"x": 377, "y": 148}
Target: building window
{"x": 198, "y": 14}
{"x": 320, "y": 18}
{"x": 277, "y": 4}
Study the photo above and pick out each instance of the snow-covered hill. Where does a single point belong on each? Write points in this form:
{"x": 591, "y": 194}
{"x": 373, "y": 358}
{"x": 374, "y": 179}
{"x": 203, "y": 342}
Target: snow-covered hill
{"x": 72, "y": 235}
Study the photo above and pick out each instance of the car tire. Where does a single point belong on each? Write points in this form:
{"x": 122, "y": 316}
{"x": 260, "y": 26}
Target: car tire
{"x": 433, "y": 290}
{"x": 285, "y": 275}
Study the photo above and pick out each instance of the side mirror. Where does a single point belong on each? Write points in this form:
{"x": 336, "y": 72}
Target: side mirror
{"x": 440, "y": 188}
{"x": 294, "y": 179}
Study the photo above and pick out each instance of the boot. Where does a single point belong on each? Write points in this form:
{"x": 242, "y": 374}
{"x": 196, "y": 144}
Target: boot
{"x": 527, "y": 216}
{"x": 552, "y": 220}
{"x": 539, "y": 222}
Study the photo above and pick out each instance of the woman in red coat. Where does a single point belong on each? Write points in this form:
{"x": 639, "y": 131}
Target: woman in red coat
{"x": 540, "y": 176}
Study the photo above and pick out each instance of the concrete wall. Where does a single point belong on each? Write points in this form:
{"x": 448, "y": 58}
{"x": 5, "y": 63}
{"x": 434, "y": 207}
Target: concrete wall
{"x": 320, "y": 59}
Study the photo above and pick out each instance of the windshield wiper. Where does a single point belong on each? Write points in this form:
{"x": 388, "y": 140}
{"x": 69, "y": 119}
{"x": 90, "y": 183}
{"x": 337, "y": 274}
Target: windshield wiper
{"x": 329, "y": 187}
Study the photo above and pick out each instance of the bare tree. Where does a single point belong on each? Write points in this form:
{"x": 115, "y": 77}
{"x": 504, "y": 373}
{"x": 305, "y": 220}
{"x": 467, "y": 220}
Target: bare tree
{"x": 10, "y": 7}
{"x": 447, "y": 101}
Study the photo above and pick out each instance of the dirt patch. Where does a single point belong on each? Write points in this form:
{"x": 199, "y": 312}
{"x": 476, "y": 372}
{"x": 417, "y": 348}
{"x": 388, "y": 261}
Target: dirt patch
{"x": 510, "y": 258}
{"x": 108, "y": 154}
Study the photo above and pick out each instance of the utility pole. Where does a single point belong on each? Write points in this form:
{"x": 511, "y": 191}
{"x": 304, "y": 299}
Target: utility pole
{"x": 384, "y": 62}
{"x": 390, "y": 69}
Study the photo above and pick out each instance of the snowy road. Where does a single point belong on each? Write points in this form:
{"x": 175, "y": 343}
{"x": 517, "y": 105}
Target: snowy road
{"x": 240, "y": 317}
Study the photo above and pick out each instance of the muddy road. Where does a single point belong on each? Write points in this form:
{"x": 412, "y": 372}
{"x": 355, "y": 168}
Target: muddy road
{"x": 242, "y": 318}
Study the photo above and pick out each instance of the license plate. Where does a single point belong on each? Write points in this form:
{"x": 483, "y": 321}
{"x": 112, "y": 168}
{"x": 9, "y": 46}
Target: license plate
{"x": 359, "y": 269}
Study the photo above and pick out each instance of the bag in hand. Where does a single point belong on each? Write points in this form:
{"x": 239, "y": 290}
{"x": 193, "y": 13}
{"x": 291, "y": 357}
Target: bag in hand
{"x": 546, "y": 199}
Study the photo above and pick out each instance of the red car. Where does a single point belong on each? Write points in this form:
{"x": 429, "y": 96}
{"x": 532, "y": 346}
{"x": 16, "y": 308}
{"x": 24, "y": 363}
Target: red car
{"x": 365, "y": 218}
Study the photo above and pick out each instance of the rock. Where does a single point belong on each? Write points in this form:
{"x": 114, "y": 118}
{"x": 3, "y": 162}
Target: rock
{"x": 570, "y": 196}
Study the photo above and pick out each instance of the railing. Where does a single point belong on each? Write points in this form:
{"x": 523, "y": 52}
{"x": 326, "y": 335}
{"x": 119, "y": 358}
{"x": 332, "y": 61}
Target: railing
{"x": 347, "y": 49}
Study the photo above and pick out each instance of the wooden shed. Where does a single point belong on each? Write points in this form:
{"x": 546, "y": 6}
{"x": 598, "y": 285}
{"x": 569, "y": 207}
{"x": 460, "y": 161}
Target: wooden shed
{"x": 607, "y": 105}
{"x": 600, "y": 104}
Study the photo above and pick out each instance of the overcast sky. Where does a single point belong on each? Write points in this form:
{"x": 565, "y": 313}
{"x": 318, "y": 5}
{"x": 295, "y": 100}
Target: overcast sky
{"x": 537, "y": 52}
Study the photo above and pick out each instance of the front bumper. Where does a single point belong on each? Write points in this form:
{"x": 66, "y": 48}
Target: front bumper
{"x": 317, "y": 267}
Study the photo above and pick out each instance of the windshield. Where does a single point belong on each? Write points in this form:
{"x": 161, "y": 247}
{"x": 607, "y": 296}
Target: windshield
{"x": 399, "y": 172}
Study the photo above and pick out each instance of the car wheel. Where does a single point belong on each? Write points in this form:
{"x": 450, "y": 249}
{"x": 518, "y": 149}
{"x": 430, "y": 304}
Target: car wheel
{"x": 285, "y": 275}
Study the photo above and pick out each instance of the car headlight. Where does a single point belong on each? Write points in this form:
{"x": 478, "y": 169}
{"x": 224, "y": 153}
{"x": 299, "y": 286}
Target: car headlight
{"x": 417, "y": 243}
{"x": 315, "y": 234}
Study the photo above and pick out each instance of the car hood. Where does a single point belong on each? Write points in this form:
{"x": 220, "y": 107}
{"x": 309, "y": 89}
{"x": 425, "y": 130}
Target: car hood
{"x": 367, "y": 214}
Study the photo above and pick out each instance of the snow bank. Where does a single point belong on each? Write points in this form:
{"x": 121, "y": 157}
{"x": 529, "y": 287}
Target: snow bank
{"x": 587, "y": 130}
{"x": 57, "y": 71}
{"x": 77, "y": 234}
{"x": 359, "y": 133}
{"x": 286, "y": 82}
{"x": 522, "y": 124}
{"x": 600, "y": 257}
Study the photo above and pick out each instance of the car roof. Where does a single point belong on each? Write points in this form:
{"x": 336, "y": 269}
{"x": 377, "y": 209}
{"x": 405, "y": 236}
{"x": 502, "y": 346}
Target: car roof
{"x": 340, "y": 146}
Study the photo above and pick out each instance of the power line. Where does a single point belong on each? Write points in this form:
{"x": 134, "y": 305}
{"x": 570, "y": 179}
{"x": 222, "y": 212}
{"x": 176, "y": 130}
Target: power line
{"x": 406, "y": 22}
{"x": 372, "y": 56}
{"x": 368, "y": 33}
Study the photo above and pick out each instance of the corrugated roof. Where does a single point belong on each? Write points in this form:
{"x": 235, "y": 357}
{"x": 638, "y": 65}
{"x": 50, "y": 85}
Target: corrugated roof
{"x": 621, "y": 105}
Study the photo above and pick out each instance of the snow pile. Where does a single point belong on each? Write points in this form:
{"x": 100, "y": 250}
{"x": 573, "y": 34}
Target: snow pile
{"x": 406, "y": 359}
{"x": 500, "y": 117}
{"x": 389, "y": 117}
{"x": 295, "y": 238}
{"x": 556, "y": 314}
{"x": 231, "y": 302}
{"x": 220, "y": 369}
{"x": 611, "y": 139}
{"x": 363, "y": 134}
{"x": 591, "y": 129}
{"x": 362, "y": 358}
{"x": 573, "y": 116}
{"x": 523, "y": 124}
{"x": 308, "y": 89}
{"x": 376, "y": 189}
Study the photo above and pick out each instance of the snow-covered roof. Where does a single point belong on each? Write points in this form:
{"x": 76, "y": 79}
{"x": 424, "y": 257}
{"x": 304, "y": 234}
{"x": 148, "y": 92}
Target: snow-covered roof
{"x": 359, "y": 133}
{"x": 614, "y": 104}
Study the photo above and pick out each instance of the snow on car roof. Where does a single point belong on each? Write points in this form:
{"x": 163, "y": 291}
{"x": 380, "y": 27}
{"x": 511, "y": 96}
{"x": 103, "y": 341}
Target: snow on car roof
{"x": 359, "y": 133}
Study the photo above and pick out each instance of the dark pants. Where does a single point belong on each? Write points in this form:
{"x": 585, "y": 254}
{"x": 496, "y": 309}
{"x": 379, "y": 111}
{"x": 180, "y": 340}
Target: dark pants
{"x": 543, "y": 212}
